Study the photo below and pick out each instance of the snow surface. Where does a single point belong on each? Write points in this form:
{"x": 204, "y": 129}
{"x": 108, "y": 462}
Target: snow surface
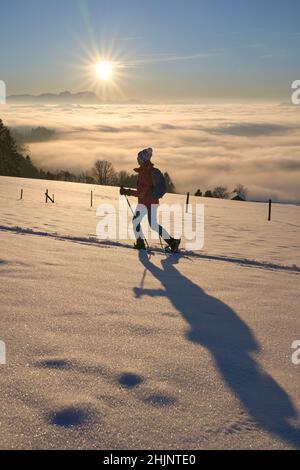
{"x": 111, "y": 349}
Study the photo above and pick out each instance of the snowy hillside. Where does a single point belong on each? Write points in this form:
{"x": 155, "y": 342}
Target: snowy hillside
{"x": 107, "y": 348}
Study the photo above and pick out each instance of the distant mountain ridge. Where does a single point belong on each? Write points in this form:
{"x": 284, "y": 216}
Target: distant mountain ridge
{"x": 84, "y": 97}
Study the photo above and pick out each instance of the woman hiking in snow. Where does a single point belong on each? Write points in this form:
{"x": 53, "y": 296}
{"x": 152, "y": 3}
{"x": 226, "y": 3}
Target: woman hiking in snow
{"x": 150, "y": 187}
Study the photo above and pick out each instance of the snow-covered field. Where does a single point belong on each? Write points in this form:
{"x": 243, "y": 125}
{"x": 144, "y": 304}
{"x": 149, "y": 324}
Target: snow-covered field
{"x": 111, "y": 349}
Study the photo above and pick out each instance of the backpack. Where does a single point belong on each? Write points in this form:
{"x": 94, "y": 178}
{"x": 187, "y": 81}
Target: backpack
{"x": 159, "y": 184}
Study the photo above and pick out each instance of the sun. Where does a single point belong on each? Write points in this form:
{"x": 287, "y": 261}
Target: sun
{"x": 104, "y": 70}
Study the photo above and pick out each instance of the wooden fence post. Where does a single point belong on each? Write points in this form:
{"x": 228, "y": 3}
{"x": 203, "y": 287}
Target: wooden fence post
{"x": 270, "y": 210}
{"x": 48, "y": 197}
{"x": 187, "y": 202}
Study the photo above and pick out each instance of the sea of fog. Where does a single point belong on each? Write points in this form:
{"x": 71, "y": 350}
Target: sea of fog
{"x": 200, "y": 146}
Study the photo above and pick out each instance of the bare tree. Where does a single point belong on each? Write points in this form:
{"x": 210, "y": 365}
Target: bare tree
{"x": 104, "y": 173}
{"x": 85, "y": 177}
{"x": 220, "y": 192}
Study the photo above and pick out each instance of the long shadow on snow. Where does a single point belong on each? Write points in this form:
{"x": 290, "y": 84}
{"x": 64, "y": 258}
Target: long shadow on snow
{"x": 214, "y": 325}
{"x": 92, "y": 241}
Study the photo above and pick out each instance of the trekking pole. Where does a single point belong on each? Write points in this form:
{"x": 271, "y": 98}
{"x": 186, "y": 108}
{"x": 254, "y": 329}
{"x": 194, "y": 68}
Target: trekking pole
{"x": 133, "y": 216}
{"x": 129, "y": 205}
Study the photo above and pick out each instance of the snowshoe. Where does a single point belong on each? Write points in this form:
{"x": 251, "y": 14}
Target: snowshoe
{"x": 173, "y": 245}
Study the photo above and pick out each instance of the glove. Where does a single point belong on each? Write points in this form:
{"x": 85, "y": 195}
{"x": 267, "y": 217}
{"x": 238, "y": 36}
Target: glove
{"x": 125, "y": 192}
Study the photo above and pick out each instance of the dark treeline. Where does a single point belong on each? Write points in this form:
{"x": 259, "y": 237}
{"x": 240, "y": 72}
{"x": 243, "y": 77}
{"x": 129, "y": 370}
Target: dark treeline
{"x": 13, "y": 163}
{"x": 37, "y": 134}
{"x": 221, "y": 192}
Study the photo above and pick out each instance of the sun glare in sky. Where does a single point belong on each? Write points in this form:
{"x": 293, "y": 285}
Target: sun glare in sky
{"x": 101, "y": 72}
{"x": 104, "y": 70}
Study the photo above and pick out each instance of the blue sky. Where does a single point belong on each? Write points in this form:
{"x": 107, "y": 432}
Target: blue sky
{"x": 189, "y": 49}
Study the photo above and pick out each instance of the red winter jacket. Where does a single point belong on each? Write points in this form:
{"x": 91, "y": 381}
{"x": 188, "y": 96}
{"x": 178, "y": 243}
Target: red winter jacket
{"x": 145, "y": 185}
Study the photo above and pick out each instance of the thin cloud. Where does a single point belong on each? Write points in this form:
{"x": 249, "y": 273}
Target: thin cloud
{"x": 254, "y": 46}
{"x": 244, "y": 31}
{"x": 166, "y": 58}
{"x": 272, "y": 56}
{"x": 234, "y": 33}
